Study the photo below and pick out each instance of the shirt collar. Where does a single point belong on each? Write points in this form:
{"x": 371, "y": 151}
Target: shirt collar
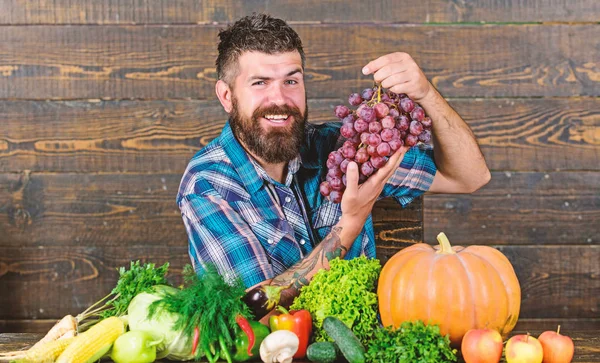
{"x": 251, "y": 173}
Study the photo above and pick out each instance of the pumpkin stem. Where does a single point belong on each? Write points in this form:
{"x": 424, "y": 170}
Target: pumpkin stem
{"x": 558, "y": 330}
{"x": 445, "y": 247}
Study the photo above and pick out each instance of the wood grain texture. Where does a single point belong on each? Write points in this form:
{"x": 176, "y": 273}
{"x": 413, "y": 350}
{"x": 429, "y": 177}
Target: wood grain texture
{"x": 520, "y": 208}
{"x": 157, "y": 62}
{"x": 58, "y": 281}
{"x": 544, "y": 134}
{"x": 109, "y": 210}
{"x": 189, "y": 11}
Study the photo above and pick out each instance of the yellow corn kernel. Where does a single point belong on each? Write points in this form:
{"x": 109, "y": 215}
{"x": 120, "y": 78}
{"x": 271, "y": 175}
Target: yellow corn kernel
{"x": 42, "y": 353}
{"x": 91, "y": 345}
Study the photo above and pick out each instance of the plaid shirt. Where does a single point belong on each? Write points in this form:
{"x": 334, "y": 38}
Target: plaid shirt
{"x": 253, "y": 227}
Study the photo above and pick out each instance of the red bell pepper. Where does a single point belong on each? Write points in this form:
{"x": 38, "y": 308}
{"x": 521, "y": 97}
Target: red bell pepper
{"x": 298, "y": 322}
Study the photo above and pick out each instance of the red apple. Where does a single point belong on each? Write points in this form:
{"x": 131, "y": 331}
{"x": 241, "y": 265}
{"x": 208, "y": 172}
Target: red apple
{"x": 482, "y": 346}
{"x": 557, "y": 348}
{"x": 523, "y": 349}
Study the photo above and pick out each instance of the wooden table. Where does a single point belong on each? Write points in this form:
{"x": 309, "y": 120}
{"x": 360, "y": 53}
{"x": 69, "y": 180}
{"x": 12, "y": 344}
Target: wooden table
{"x": 587, "y": 343}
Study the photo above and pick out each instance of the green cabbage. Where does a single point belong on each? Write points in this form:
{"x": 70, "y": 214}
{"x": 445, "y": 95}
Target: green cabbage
{"x": 346, "y": 291}
{"x": 175, "y": 345}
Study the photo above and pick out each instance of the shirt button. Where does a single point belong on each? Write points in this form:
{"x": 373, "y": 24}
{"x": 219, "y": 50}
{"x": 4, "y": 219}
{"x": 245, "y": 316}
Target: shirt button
{"x": 288, "y": 199}
{"x": 270, "y": 241}
{"x": 302, "y": 241}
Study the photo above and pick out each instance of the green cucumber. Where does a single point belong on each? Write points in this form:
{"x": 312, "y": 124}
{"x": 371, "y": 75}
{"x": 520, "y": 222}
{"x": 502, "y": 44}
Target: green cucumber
{"x": 344, "y": 338}
{"x": 322, "y": 352}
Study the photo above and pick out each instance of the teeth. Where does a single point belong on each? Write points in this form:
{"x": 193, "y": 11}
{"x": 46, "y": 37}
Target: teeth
{"x": 276, "y": 117}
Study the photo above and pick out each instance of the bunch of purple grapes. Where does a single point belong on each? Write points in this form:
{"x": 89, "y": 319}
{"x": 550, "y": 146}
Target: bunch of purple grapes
{"x": 381, "y": 124}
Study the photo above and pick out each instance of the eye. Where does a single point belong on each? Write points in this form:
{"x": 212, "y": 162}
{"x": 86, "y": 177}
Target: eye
{"x": 291, "y": 81}
{"x": 258, "y": 83}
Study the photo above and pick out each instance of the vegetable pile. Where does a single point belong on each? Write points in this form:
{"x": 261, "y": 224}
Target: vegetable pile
{"x": 345, "y": 291}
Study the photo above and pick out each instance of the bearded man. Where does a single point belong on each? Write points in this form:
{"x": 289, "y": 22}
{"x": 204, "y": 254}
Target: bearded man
{"x": 250, "y": 199}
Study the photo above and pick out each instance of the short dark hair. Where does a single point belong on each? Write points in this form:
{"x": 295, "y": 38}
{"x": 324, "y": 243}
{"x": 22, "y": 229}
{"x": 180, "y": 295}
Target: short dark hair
{"x": 256, "y": 32}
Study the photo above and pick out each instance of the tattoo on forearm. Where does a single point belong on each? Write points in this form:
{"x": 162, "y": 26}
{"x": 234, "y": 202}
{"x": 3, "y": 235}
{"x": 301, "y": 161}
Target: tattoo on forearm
{"x": 297, "y": 275}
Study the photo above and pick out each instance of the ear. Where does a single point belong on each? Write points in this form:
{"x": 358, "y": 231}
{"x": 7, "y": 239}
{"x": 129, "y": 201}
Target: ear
{"x": 224, "y": 94}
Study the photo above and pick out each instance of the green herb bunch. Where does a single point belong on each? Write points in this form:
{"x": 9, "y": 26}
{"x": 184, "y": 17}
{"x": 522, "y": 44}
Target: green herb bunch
{"x": 135, "y": 280}
{"x": 346, "y": 291}
{"x": 412, "y": 342}
{"x": 207, "y": 302}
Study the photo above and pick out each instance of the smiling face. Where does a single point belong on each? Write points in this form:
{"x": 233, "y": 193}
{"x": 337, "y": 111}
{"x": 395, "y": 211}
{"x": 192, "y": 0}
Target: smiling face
{"x": 268, "y": 108}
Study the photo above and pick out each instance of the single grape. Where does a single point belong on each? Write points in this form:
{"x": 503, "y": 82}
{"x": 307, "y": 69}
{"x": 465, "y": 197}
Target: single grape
{"x": 427, "y": 122}
{"x": 341, "y": 111}
{"x": 336, "y": 183}
{"x": 347, "y": 131}
{"x": 403, "y": 135}
{"x": 355, "y": 99}
{"x": 407, "y": 104}
{"x": 364, "y": 137}
{"x": 348, "y": 120}
{"x": 395, "y": 133}
{"x": 330, "y": 163}
{"x": 416, "y": 128}
{"x": 375, "y": 127}
{"x": 402, "y": 123}
{"x": 425, "y": 136}
{"x": 349, "y": 152}
{"x": 372, "y": 150}
{"x": 378, "y": 162}
{"x": 395, "y": 144}
{"x": 367, "y": 114}
{"x": 335, "y": 196}
{"x": 335, "y": 171}
{"x": 385, "y": 98}
{"x": 367, "y": 168}
{"x": 387, "y": 134}
{"x": 374, "y": 140}
{"x": 417, "y": 114}
{"x": 388, "y": 122}
{"x": 383, "y": 149}
{"x": 355, "y": 139}
{"x": 361, "y": 155}
{"x": 381, "y": 110}
{"x": 324, "y": 188}
{"x": 368, "y": 93}
{"x": 350, "y": 143}
{"x": 336, "y": 156}
{"x": 394, "y": 112}
{"x": 361, "y": 125}
{"x": 411, "y": 140}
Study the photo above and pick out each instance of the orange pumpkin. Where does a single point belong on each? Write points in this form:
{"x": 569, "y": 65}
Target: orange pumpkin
{"x": 456, "y": 288}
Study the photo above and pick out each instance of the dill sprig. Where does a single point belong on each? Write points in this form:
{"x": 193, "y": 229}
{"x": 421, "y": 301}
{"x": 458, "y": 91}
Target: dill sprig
{"x": 208, "y": 302}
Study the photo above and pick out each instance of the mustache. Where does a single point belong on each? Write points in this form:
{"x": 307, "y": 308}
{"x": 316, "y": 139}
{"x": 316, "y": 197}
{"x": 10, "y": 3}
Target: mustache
{"x": 278, "y": 110}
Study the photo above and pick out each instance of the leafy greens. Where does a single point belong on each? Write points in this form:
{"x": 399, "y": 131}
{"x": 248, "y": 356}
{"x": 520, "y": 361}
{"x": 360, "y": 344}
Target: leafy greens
{"x": 346, "y": 291}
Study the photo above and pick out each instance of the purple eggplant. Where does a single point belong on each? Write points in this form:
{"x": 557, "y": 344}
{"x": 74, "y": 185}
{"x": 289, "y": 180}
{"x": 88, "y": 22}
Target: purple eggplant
{"x": 262, "y": 299}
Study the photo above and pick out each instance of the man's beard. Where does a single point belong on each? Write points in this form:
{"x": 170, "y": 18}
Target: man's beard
{"x": 274, "y": 145}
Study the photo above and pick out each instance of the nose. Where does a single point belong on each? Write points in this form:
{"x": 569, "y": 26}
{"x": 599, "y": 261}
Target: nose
{"x": 277, "y": 94}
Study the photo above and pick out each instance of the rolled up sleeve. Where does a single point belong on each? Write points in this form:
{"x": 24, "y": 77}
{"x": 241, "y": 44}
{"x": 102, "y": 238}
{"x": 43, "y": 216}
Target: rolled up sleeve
{"x": 413, "y": 177}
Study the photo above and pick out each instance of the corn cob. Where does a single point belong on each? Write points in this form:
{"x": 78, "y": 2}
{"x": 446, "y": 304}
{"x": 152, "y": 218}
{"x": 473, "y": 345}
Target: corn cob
{"x": 40, "y": 353}
{"x": 91, "y": 345}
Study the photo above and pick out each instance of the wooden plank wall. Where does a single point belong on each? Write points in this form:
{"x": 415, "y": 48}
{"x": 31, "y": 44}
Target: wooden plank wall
{"x": 102, "y": 103}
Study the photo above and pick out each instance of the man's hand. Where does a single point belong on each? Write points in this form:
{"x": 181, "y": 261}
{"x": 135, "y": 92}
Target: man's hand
{"x": 358, "y": 200}
{"x": 399, "y": 73}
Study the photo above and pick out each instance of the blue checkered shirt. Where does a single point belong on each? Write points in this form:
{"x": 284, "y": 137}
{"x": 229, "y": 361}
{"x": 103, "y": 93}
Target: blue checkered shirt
{"x": 253, "y": 227}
